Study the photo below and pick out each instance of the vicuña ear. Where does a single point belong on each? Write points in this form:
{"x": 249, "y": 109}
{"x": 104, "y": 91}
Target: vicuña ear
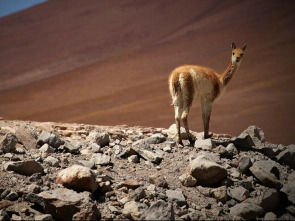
{"x": 244, "y": 47}
{"x": 233, "y": 46}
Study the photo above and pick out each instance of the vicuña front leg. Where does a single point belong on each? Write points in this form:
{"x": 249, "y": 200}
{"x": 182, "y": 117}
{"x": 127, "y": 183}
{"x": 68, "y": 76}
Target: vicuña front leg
{"x": 206, "y": 112}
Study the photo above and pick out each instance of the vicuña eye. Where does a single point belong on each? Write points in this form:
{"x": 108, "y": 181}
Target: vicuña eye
{"x": 242, "y": 55}
{"x": 233, "y": 53}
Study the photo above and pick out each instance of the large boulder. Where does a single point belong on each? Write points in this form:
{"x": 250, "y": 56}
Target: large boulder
{"x": 206, "y": 171}
{"x": 27, "y": 135}
{"x": 256, "y": 134}
{"x": 77, "y": 177}
{"x": 28, "y": 167}
{"x": 267, "y": 173}
{"x": 65, "y": 204}
{"x": 8, "y": 142}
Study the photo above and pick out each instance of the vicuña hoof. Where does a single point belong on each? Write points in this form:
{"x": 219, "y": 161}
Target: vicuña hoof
{"x": 209, "y": 135}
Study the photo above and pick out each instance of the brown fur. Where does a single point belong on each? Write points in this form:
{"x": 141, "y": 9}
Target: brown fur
{"x": 215, "y": 82}
{"x": 175, "y": 81}
{"x": 189, "y": 85}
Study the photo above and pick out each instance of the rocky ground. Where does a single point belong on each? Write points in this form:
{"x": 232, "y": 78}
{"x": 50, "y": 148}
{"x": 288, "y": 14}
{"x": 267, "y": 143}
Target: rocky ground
{"x": 57, "y": 171}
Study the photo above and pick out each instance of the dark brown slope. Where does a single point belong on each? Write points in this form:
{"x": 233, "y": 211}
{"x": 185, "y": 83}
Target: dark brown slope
{"x": 108, "y": 62}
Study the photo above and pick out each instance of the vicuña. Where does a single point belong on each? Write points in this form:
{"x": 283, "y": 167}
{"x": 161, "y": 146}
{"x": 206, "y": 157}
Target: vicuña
{"x": 190, "y": 82}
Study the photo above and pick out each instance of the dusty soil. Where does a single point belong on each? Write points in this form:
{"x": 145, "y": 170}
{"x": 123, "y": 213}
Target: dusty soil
{"x": 199, "y": 201}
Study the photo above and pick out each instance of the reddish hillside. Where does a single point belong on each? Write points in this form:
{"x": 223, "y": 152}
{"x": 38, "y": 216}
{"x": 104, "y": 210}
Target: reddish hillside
{"x": 107, "y": 62}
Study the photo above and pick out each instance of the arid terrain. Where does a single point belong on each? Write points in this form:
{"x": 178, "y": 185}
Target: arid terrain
{"x": 107, "y": 62}
{"x": 61, "y": 171}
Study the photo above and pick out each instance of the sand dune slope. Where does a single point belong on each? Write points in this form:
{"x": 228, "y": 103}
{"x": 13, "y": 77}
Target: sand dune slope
{"x": 107, "y": 62}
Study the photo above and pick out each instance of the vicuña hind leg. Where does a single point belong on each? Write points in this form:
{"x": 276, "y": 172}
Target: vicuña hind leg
{"x": 206, "y": 112}
{"x": 185, "y": 124}
{"x": 178, "y": 112}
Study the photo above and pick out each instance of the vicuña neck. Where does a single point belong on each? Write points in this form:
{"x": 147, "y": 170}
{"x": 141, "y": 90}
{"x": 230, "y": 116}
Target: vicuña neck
{"x": 227, "y": 75}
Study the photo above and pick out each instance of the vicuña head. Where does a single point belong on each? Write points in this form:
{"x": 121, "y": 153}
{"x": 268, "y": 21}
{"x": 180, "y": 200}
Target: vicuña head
{"x": 191, "y": 82}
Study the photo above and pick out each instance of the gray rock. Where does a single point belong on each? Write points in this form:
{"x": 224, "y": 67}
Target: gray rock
{"x": 172, "y": 132}
{"x": 287, "y": 156}
{"x": 44, "y": 217}
{"x": 46, "y": 149}
{"x": 291, "y": 209}
{"x": 239, "y": 193}
{"x": 206, "y": 144}
{"x": 206, "y": 171}
{"x": 8, "y": 142}
{"x": 50, "y": 139}
{"x": 286, "y": 216}
{"x": 28, "y": 167}
{"x": 95, "y": 148}
{"x": 159, "y": 210}
{"x": 268, "y": 200}
{"x": 4, "y": 216}
{"x": 5, "y": 193}
{"x": 100, "y": 138}
{"x": 256, "y": 134}
{"x": 231, "y": 150}
{"x": 270, "y": 216}
{"x": 244, "y": 141}
{"x": 244, "y": 164}
{"x": 101, "y": 159}
{"x": 268, "y": 150}
{"x": 176, "y": 196}
{"x": 15, "y": 217}
{"x": 88, "y": 211}
{"x": 141, "y": 147}
{"x": 219, "y": 193}
{"x": 266, "y": 172}
{"x": 27, "y": 135}
{"x": 11, "y": 196}
{"x": 156, "y": 139}
{"x": 247, "y": 211}
{"x": 138, "y": 194}
{"x": 64, "y": 203}
{"x": 33, "y": 188}
{"x": 52, "y": 161}
{"x": 72, "y": 148}
{"x": 87, "y": 163}
{"x": 133, "y": 159}
{"x": 159, "y": 180}
{"x": 150, "y": 156}
{"x": 289, "y": 191}
{"x": 187, "y": 180}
